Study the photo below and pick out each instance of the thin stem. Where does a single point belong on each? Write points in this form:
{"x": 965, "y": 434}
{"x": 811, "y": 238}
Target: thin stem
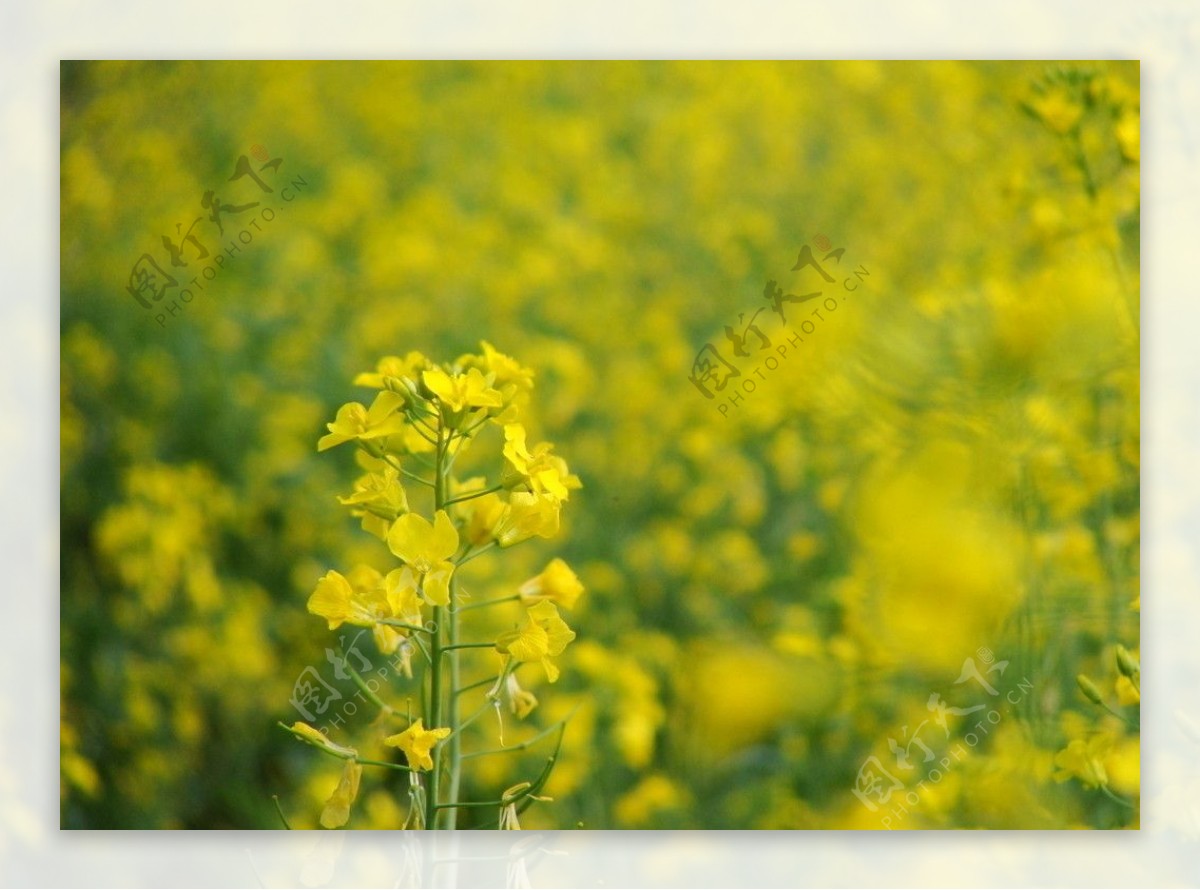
{"x": 384, "y": 763}
{"x": 392, "y": 622}
{"x": 435, "y": 654}
{"x": 405, "y": 472}
{"x": 474, "y": 427}
{"x": 484, "y": 682}
{"x": 482, "y": 550}
{"x": 519, "y": 747}
{"x": 490, "y": 803}
{"x": 455, "y": 748}
{"x": 1115, "y": 797}
{"x": 371, "y": 696}
{"x": 1120, "y": 716}
{"x": 474, "y": 494}
{"x": 419, "y": 424}
{"x": 492, "y": 602}
{"x": 468, "y": 646}
{"x": 455, "y": 736}
{"x": 435, "y": 711}
{"x": 279, "y": 810}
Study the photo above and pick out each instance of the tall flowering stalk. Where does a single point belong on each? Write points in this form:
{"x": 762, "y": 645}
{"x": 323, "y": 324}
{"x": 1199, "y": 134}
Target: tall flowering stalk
{"x": 423, "y": 417}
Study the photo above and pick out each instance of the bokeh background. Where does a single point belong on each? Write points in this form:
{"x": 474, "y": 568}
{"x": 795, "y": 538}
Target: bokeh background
{"x": 945, "y": 469}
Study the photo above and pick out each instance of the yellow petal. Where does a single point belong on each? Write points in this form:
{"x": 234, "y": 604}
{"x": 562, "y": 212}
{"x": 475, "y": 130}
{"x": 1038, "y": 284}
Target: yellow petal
{"x": 442, "y": 386}
{"x": 444, "y": 540}
{"x": 331, "y": 599}
{"x": 558, "y": 634}
{"x": 407, "y": 537}
{"x": 337, "y": 809}
{"x": 437, "y": 584}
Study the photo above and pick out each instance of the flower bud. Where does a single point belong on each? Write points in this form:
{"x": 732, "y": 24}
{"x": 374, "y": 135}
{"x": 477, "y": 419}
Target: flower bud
{"x": 1126, "y": 663}
{"x": 1089, "y": 690}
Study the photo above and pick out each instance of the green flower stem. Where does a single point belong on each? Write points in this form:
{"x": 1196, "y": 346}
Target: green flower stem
{"x": 490, "y": 803}
{"x": 529, "y": 743}
{"x": 491, "y": 602}
{"x": 487, "y": 705}
{"x": 392, "y": 622}
{"x": 383, "y": 763}
{"x": 474, "y": 494}
{"x": 454, "y": 646}
{"x": 371, "y": 696}
{"x": 484, "y": 682}
{"x": 406, "y": 472}
{"x": 279, "y": 810}
{"x": 435, "y": 649}
{"x": 482, "y": 550}
{"x": 1120, "y": 716}
{"x": 1115, "y": 797}
{"x": 455, "y": 739}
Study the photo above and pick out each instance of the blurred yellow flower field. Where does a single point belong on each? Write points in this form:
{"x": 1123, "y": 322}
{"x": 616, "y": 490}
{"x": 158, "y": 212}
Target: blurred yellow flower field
{"x": 839, "y": 526}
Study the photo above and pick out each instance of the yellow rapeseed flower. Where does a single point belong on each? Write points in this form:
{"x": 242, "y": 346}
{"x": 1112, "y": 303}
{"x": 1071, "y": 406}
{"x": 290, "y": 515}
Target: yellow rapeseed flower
{"x": 508, "y": 375}
{"x": 543, "y": 636}
{"x": 378, "y": 498}
{"x": 535, "y": 470}
{"x": 417, "y": 743}
{"x": 525, "y": 515}
{"x": 469, "y": 390}
{"x": 556, "y": 583}
{"x": 354, "y": 422}
{"x": 338, "y": 601}
{"x": 427, "y": 550}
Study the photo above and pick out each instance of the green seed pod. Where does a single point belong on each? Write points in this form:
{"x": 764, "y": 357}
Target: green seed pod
{"x": 1126, "y": 663}
{"x": 1089, "y": 690}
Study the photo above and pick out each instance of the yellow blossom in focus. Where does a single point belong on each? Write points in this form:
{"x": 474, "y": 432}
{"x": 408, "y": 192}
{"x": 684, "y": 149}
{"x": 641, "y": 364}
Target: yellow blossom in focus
{"x": 535, "y": 470}
{"x": 543, "y": 636}
{"x": 338, "y": 602}
{"x": 427, "y": 548}
{"x": 556, "y": 583}
{"x": 525, "y": 515}
{"x": 353, "y": 421}
{"x": 417, "y": 743}
{"x": 469, "y": 390}
{"x": 508, "y": 375}
{"x": 378, "y": 498}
